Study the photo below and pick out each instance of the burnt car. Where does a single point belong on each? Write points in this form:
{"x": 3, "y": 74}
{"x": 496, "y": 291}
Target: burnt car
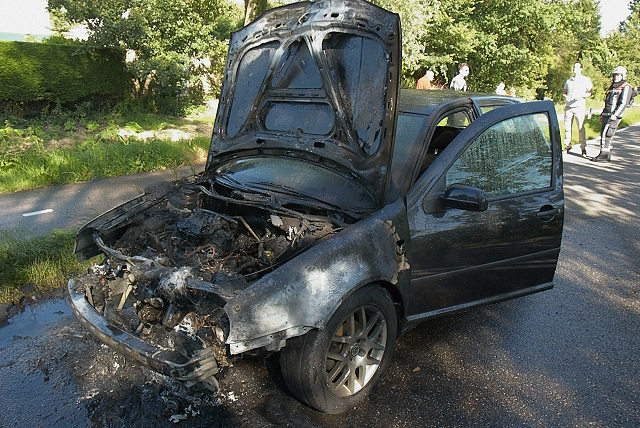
{"x": 335, "y": 213}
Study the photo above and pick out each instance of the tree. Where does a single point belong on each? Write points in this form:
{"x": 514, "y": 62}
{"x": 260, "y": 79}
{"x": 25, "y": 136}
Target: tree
{"x": 625, "y": 43}
{"x": 515, "y": 45}
{"x": 253, "y": 9}
{"x": 528, "y": 44}
{"x": 169, "y": 42}
{"x": 575, "y": 37}
{"x": 436, "y": 35}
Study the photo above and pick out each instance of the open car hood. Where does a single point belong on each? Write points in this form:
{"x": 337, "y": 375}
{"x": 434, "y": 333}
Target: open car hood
{"x": 316, "y": 81}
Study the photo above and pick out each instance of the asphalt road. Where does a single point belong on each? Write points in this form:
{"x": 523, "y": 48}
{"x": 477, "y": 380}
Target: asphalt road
{"x": 70, "y": 206}
{"x": 567, "y": 357}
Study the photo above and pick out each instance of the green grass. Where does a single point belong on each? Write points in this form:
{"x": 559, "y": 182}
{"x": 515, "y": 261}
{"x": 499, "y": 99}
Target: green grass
{"x": 41, "y": 153}
{"x": 45, "y": 261}
{"x": 37, "y": 166}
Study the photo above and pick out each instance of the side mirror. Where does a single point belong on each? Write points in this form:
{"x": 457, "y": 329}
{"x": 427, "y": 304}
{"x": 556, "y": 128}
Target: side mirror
{"x": 465, "y": 198}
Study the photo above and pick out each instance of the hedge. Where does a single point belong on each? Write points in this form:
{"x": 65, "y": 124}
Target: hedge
{"x": 36, "y": 72}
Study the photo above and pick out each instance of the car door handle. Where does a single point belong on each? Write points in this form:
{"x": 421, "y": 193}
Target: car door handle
{"x": 548, "y": 214}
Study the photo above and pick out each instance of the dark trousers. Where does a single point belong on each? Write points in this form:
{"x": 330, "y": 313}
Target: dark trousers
{"x": 607, "y": 131}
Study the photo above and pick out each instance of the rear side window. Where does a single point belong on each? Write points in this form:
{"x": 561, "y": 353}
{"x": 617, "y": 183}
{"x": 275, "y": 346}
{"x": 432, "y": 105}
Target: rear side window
{"x": 459, "y": 119}
{"x": 512, "y": 156}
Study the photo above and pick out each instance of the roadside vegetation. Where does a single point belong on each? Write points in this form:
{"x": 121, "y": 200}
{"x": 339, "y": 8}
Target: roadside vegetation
{"x": 44, "y": 261}
{"x": 71, "y": 147}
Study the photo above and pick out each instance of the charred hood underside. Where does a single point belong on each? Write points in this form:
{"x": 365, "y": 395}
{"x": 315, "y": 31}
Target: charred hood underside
{"x": 317, "y": 81}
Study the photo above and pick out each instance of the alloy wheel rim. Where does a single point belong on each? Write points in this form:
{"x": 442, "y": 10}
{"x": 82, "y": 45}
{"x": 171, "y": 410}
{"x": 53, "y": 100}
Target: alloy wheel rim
{"x": 355, "y": 351}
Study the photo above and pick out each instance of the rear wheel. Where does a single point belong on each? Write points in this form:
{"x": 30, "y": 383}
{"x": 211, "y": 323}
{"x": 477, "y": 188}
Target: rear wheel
{"x": 334, "y": 369}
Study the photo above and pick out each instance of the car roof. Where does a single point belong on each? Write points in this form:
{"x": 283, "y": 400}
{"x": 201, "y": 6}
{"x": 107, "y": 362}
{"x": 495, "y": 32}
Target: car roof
{"x": 425, "y": 101}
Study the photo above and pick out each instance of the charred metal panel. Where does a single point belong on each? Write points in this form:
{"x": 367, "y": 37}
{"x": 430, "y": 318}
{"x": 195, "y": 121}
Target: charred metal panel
{"x": 316, "y": 79}
{"x": 303, "y": 294}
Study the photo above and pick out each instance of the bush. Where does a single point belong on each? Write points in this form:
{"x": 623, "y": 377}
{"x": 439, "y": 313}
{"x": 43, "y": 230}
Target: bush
{"x": 59, "y": 74}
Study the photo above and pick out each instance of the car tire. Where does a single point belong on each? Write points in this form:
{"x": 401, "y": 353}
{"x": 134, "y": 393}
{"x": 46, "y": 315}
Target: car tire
{"x": 335, "y": 368}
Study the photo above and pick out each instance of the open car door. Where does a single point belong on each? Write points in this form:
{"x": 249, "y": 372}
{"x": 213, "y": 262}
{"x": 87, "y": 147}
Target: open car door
{"x": 486, "y": 217}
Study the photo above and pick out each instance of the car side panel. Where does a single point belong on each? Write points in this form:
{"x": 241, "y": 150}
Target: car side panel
{"x": 466, "y": 256}
{"x": 304, "y": 293}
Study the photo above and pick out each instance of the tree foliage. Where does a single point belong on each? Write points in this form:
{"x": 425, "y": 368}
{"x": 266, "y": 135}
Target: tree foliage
{"x": 515, "y": 45}
{"x": 625, "y": 43}
{"x": 170, "y": 43}
{"x": 528, "y": 44}
{"x": 576, "y": 37}
{"x": 503, "y": 41}
{"x": 436, "y": 35}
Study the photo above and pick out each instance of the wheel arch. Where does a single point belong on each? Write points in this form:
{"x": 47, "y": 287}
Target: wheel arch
{"x": 334, "y": 369}
{"x": 398, "y": 303}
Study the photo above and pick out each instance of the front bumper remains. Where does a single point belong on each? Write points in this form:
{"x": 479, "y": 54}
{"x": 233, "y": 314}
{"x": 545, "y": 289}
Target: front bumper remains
{"x": 199, "y": 368}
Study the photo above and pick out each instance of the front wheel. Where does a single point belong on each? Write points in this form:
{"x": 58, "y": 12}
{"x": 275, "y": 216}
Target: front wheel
{"x": 334, "y": 369}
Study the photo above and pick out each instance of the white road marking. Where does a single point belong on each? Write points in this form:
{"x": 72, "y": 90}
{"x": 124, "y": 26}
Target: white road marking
{"x": 37, "y": 212}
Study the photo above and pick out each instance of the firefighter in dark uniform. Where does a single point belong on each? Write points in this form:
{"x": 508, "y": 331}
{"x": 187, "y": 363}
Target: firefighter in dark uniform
{"x": 616, "y": 101}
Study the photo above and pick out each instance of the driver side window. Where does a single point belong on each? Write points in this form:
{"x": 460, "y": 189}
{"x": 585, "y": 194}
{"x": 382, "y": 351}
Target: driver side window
{"x": 510, "y": 157}
{"x": 447, "y": 129}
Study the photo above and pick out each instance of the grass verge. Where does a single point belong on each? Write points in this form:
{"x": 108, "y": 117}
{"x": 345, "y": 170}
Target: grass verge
{"x": 37, "y": 166}
{"x": 62, "y": 147}
{"x": 44, "y": 261}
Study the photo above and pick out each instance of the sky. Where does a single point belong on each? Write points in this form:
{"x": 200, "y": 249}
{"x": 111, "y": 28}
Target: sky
{"x": 31, "y": 17}
{"x": 24, "y": 16}
{"x": 612, "y": 12}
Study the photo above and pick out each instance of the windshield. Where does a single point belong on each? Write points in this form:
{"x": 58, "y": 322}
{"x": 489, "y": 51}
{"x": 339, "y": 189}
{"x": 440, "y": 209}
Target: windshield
{"x": 297, "y": 180}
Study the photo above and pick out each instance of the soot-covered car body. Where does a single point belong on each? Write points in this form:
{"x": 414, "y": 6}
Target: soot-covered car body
{"x": 335, "y": 212}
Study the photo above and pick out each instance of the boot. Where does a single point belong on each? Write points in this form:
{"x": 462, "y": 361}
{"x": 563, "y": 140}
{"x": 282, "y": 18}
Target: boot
{"x": 568, "y": 147}
{"x": 603, "y": 157}
{"x": 584, "y": 153}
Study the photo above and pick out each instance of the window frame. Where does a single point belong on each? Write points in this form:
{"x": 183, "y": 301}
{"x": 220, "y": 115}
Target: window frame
{"x": 505, "y": 193}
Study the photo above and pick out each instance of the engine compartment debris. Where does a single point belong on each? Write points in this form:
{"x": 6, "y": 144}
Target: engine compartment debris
{"x": 170, "y": 268}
